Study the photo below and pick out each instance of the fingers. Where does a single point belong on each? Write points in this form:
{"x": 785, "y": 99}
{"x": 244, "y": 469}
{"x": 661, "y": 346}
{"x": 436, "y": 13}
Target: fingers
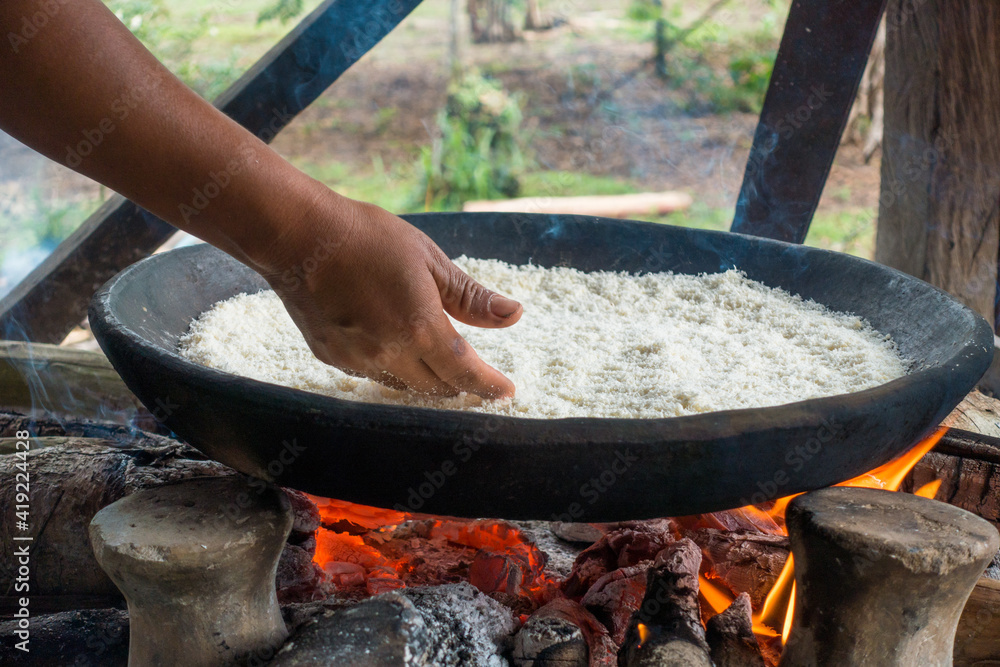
{"x": 468, "y": 301}
{"x": 413, "y": 373}
{"x": 454, "y": 361}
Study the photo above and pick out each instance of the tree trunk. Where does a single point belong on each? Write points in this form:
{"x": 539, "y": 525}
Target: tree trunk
{"x": 489, "y": 21}
{"x": 940, "y": 192}
{"x": 533, "y": 16}
{"x": 454, "y": 49}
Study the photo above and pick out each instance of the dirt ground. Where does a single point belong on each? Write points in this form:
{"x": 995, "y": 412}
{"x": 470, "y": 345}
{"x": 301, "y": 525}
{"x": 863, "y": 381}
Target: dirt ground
{"x": 600, "y": 111}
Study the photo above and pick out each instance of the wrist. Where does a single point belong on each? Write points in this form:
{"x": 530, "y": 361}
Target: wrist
{"x": 306, "y": 231}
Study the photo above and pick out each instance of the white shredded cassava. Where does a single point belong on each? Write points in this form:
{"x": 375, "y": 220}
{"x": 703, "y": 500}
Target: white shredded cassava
{"x": 598, "y": 344}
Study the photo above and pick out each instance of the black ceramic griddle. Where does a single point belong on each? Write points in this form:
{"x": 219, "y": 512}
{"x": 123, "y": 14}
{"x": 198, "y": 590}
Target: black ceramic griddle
{"x": 476, "y": 465}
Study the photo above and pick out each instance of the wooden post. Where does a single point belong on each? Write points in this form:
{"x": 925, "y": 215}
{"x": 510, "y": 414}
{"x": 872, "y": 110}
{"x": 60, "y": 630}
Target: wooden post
{"x": 939, "y": 208}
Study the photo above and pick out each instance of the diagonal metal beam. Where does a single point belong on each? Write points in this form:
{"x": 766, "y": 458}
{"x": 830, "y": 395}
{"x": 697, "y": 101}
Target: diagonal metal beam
{"x": 53, "y": 298}
{"x": 820, "y": 62}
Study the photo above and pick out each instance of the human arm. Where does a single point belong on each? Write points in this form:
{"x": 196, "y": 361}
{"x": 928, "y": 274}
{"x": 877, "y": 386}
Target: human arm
{"x": 368, "y": 290}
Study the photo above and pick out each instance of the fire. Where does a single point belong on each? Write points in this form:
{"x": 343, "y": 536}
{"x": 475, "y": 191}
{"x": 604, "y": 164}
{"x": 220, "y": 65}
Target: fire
{"x": 643, "y": 633}
{"x": 778, "y": 609}
{"x": 355, "y": 548}
{"x": 373, "y": 550}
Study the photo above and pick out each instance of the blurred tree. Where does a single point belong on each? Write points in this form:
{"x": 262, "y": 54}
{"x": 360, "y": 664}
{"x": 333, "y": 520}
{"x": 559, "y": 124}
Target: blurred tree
{"x": 490, "y": 21}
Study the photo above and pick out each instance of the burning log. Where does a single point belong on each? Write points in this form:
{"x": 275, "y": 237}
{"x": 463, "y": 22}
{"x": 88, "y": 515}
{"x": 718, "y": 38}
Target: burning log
{"x": 563, "y": 633}
{"x": 731, "y": 638}
{"x": 79, "y": 467}
{"x": 616, "y": 596}
{"x": 968, "y": 465}
{"x": 667, "y": 630}
{"x": 882, "y": 578}
{"x": 298, "y": 578}
{"x": 747, "y": 562}
{"x": 628, "y": 545}
{"x": 196, "y": 562}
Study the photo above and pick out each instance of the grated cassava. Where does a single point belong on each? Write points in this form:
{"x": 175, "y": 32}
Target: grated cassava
{"x": 598, "y": 344}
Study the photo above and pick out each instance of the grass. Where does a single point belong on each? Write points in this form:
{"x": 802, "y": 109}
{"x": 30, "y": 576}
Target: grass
{"x": 848, "y": 230}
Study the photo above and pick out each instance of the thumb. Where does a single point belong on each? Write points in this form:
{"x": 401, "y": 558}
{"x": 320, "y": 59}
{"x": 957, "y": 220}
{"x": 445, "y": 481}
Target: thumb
{"x": 471, "y": 303}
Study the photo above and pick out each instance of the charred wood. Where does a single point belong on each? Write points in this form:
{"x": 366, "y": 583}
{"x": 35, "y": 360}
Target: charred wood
{"x": 730, "y": 636}
{"x": 629, "y": 544}
{"x": 85, "y": 638}
{"x": 563, "y": 632}
{"x": 745, "y": 561}
{"x": 616, "y": 596}
{"x": 666, "y": 631}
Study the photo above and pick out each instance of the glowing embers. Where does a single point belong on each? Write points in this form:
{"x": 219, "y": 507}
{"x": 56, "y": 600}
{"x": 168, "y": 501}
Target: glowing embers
{"x": 367, "y": 549}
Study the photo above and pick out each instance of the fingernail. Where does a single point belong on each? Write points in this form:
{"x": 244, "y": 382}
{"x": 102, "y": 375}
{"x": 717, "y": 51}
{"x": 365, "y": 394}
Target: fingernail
{"x": 503, "y": 307}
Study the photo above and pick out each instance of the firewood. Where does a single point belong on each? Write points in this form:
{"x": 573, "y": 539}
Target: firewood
{"x": 977, "y": 641}
{"x": 41, "y": 426}
{"x": 70, "y": 482}
{"x": 745, "y": 562}
{"x": 552, "y": 637}
{"x": 563, "y": 633}
{"x": 666, "y": 631}
{"x": 730, "y": 636}
{"x": 616, "y": 596}
{"x": 608, "y": 206}
{"x": 627, "y": 545}
{"x": 977, "y": 413}
{"x": 968, "y": 466}
{"x": 53, "y": 379}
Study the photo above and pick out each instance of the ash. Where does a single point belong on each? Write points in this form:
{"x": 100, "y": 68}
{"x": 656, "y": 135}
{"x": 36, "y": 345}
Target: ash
{"x": 466, "y": 627}
{"x": 561, "y": 554}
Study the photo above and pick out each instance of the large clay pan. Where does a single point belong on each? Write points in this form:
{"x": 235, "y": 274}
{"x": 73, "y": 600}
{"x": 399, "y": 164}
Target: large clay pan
{"x": 469, "y": 464}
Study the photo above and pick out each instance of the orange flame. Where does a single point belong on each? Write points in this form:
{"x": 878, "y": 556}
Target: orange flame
{"x": 929, "y": 490}
{"x": 779, "y": 606}
{"x": 643, "y": 634}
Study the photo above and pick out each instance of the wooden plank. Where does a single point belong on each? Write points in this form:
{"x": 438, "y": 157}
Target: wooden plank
{"x": 977, "y": 413}
{"x": 805, "y": 110}
{"x": 608, "y": 206}
{"x": 47, "y": 379}
{"x": 54, "y": 297}
{"x": 977, "y": 641}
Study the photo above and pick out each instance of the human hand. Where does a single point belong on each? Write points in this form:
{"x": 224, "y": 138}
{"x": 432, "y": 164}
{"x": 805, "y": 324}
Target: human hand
{"x": 369, "y": 292}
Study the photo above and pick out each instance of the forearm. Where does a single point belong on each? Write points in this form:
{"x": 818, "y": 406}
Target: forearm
{"x": 85, "y": 92}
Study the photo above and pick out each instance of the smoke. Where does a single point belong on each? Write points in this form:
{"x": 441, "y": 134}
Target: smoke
{"x": 41, "y": 202}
